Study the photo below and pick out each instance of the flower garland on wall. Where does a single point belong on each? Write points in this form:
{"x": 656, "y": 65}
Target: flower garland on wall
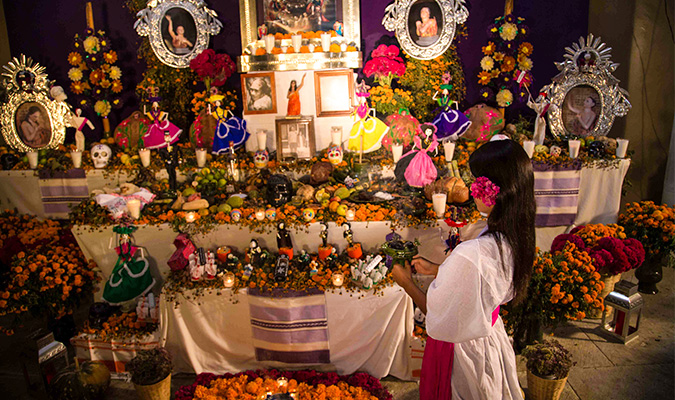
{"x": 506, "y": 56}
{"x": 95, "y": 79}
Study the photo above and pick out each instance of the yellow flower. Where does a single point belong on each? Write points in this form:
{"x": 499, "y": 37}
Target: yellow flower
{"x": 91, "y": 44}
{"x": 498, "y": 56}
{"x": 525, "y": 64}
{"x": 508, "y": 31}
{"x": 484, "y": 78}
{"x": 525, "y": 49}
{"x": 110, "y": 57}
{"x": 77, "y": 87}
{"x": 116, "y": 86}
{"x": 102, "y": 108}
{"x": 75, "y": 74}
{"x": 489, "y": 49}
{"x": 487, "y": 63}
{"x": 504, "y": 98}
{"x": 115, "y": 73}
{"x": 508, "y": 64}
{"x": 74, "y": 58}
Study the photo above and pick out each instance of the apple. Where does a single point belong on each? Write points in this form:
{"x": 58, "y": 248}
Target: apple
{"x": 342, "y": 209}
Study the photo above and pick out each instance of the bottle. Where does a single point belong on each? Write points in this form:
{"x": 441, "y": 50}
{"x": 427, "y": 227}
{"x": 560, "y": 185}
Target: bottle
{"x": 232, "y": 167}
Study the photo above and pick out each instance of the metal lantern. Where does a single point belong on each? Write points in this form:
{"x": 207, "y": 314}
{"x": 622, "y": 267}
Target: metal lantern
{"x": 627, "y": 303}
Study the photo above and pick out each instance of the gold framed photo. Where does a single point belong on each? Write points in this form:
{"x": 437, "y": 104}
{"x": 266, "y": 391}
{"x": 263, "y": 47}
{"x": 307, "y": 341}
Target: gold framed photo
{"x": 334, "y": 92}
{"x": 295, "y": 138}
{"x": 259, "y": 93}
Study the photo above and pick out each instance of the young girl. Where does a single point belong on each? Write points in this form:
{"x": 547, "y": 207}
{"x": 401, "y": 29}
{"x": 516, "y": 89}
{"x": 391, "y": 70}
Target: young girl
{"x": 468, "y": 354}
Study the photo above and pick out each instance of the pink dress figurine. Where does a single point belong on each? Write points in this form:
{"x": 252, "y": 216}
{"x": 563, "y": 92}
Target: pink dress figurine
{"x": 421, "y": 171}
{"x": 159, "y": 123}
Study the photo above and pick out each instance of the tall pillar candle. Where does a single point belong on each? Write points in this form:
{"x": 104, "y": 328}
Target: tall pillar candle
{"x": 325, "y": 41}
{"x": 296, "y": 41}
{"x": 201, "y": 157}
{"x": 574, "y": 146}
{"x": 144, "y": 154}
{"x": 269, "y": 43}
{"x": 32, "y": 159}
{"x": 262, "y": 139}
{"x": 528, "y": 145}
{"x": 449, "y": 148}
{"x": 621, "y": 148}
{"x": 396, "y": 152}
{"x": 76, "y": 157}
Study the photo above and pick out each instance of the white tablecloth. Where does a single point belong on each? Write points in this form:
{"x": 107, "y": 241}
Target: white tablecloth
{"x": 367, "y": 332}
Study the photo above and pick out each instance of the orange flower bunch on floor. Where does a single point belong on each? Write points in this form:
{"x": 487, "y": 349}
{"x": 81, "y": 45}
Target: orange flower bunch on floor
{"x": 652, "y": 224}
{"x": 50, "y": 275}
{"x": 240, "y": 388}
{"x": 592, "y": 233}
{"x": 122, "y": 326}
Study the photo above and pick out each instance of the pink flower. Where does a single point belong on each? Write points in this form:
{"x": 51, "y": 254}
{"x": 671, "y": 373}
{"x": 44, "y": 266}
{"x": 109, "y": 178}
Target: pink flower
{"x": 484, "y": 190}
{"x": 561, "y": 240}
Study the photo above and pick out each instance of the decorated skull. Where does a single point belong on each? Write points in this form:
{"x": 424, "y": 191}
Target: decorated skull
{"x": 308, "y": 214}
{"x": 261, "y": 159}
{"x": 555, "y": 151}
{"x": 235, "y": 215}
{"x": 335, "y": 154}
{"x": 271, "y": 213}
{"x": 100, "y": 155}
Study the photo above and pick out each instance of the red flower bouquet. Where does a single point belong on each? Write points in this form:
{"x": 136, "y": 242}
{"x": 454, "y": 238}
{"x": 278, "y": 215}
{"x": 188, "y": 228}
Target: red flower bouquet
{"x": 385, "y": 64}
{"x": 212, "y": 68}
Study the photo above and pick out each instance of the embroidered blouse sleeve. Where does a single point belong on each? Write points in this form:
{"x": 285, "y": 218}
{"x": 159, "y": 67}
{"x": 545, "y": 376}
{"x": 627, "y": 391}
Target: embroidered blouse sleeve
{"x": 456, "y": 309}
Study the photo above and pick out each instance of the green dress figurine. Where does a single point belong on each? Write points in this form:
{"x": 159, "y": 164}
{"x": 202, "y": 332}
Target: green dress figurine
{"x": 130, "y": 277}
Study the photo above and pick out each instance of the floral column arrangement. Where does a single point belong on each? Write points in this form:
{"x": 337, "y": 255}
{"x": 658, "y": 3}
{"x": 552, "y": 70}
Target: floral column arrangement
{"x": 506, "y": 57}
{"x": 385, "y": 65}
{"x": 95, "y": 79}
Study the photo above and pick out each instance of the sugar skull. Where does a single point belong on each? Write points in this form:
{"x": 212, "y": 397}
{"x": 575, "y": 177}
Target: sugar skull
{"x": 308, "y": 214}
{"x": 100, "y": 155}
{"x": 235, "y": 215}
{"x": 555, "y": 151}
{"x": 271, "y": 213}
{"x": 261, "y": 159}
{"x": 335, "y": 154}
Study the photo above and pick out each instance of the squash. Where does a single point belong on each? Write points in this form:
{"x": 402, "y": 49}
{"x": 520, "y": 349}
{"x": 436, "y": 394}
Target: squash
{"x": 86, "y": 381}
{"x": 354, "y": 251}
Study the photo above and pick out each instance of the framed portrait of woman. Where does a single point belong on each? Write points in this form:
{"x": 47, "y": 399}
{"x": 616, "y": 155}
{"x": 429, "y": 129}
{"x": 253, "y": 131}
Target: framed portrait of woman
{"x": 425, "y": 28}
{"x": 295, "y": 139}
{"x": 259, "y": 93}
{"x": 30, "y": 119}
{"x": 178, "y": 30}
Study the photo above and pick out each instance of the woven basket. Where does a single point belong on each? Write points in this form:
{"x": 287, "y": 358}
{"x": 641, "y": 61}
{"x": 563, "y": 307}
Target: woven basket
{"x": 158, "y": 391}
{"x": 609, "y": 281}
{"x": 544, "y": 389}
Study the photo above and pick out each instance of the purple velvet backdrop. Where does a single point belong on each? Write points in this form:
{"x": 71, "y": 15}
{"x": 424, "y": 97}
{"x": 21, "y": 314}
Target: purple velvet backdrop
{"x": 44, "y": 30}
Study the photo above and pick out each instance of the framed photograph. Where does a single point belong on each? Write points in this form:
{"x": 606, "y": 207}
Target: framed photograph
{"x": 30, "y": 119}
{"x": 290, "y": 16}
{"x": 295, "y": 138}
{"x": 178, "y": 30}
{"x": 585, "y": 97}
{"x": 425, "y": 28}
{"x": 259, "y": 93}
{"x": 334, "y": 92}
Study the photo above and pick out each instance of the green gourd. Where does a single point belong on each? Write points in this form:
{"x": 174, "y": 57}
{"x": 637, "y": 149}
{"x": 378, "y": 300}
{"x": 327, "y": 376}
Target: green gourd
{"x": 86, "y": 381}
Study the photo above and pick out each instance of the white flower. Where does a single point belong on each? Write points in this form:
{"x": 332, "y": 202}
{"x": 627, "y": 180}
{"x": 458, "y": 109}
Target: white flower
{"x": 487, "y": 63}
{"x": 75, "y": 74}
{"x": 504, "y": 98}
{"x": 115, "y": 73}
{"x": 91, "y": 44}
{"x": 508, "y": 31}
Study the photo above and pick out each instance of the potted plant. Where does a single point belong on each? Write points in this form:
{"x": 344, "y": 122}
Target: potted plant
{"x": 151, "y": 374}
{"x": 548, "y": 365}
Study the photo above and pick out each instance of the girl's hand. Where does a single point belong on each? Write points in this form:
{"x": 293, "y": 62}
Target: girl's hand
{"x": 402, "y": 274}
{"x": 424, "y": 266}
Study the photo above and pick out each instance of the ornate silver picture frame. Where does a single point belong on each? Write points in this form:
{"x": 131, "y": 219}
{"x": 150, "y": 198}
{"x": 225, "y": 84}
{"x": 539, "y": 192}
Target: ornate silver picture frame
{"x": 585, "y": 97}
{"x": 30, "y": 119}
{"x": 178, "y": 30}
{"x": 425, "y": 28}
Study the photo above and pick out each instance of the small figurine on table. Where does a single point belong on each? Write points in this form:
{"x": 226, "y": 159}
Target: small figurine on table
{"x": 451, "y": 123}
{"x": 160, "y": 126}
{"x": 353, "y": 249}
{"x": 541, "y": 107}
{"x": 324, "y": 248}
{"x": 169, "y": 155}
{"x": 79, "y": 122}
{"x": 284, "y": 242}
{"x": 254, "y": 254}
{"x": 248, "y": 270}
{"x": 304, "y": 259}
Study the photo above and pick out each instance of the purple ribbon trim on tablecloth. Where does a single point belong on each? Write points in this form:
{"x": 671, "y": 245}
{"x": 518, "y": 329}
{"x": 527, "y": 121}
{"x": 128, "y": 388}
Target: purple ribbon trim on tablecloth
{"x": 294, "y": 357}
{"x": 556, "y": 193}
{"x": 59, "y": 190}
{"x": 308, "y": 336}
{"x": 289, "y": 314}
{"x": 554, "y": 219}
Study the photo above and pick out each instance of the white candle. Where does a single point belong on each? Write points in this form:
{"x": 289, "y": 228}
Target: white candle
{"x": 396, "y": 151}
{"x": 325, "y": 41}
{"x": 296, "y": 41}
{"x": 201, "y": 157}
{"x": 336, "y": 135}
{"x": 260, "y": 215}
{"x": 338, "y": 279}
{"x": 449, "y": 148}
{"x": 439, "y": 200}
{"x": 621, "y": 147}
{"x": 311, "y": 47}
{"x": 574, "y": 146}
{"x": 343, "y": 47}
{"x": 228, "y": 280}
{"x": 190, "y": 217}
{"x": 262, "y": 139}
{"x": 528, "y": 145}
{"x": 350, "y": 215}
{"x": 76, "y": 156}
{"x": 145, "y": 157}
{"x": 269, "y": 43}
{"x": 134, "y": 208}
{"x": 32, "y": 159}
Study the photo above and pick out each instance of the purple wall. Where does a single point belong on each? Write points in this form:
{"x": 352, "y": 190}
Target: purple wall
{"x": 44, "y": 30}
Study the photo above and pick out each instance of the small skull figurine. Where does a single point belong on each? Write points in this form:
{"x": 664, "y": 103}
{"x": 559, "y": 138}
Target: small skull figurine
{"x": 335, "y": 154}
{"x": 261, "y": 159}
{"x": 100, "y": 155}
{"x": 308, "y": 214}
{"x": 555, "y": 151}
{"x": 271, "y": 213}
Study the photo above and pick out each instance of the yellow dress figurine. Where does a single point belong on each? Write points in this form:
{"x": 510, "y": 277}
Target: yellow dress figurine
{"x": 367, "y": 129}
